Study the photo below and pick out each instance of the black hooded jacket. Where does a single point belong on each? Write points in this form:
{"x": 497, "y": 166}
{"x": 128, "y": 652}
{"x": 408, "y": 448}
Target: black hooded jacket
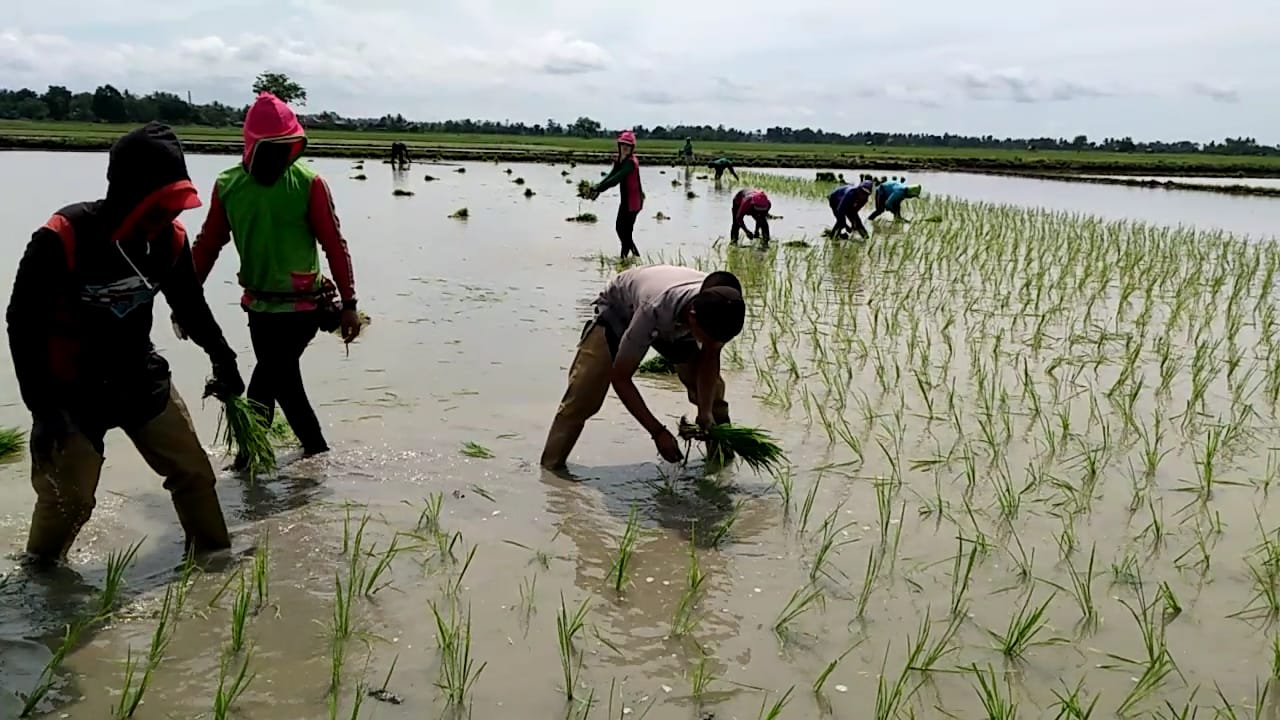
{"x": 80, "y": 324}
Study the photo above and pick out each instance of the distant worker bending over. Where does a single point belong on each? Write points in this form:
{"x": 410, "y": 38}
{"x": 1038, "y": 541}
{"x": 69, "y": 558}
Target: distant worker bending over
{"x": 845, "y": 202}
{"x": 750, "y": 202}
{"x": 399, "y": 154}
{"x": 889, "y": 196}
{"x": 720, "y": 165}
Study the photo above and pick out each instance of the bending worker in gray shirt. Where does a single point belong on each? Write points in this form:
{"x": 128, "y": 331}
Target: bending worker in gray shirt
{"x": 686, "y": 315}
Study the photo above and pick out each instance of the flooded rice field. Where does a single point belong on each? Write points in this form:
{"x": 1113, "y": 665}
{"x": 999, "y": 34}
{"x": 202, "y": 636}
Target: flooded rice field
{"x": 1031, "y": 454}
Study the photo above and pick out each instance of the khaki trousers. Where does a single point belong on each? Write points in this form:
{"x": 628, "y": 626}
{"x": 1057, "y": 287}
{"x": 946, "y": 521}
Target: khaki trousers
{"x": 588, "y": 386}
{"x": 66, "y": 482}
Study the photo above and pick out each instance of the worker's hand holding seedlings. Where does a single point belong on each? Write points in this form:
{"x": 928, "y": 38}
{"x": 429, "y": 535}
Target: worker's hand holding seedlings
{"x": 684, "y": 314}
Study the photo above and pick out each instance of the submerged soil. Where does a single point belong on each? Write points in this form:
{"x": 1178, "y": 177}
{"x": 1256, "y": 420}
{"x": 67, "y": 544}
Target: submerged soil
{"x": 984, "y": 414}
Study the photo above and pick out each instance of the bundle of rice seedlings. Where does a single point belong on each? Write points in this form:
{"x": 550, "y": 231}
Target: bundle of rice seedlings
{"x": 461, "y": 214}
{"x": 364, "y": 323}
{"x": 584, "y": 188}
{"x": 460, "y": 170}
{"x": 657, "y": 365}
{"x": 508, "y": 171}
{"x": 246, "y": 436}
{"x": 563, "y": 173}
{"x": 583, "y": 218}
{"x": 400, "y": 192}
{"x": 361, "y": 176}
{"x": 476, "y": 450}
{"x": 428, "y": 178}
{"x": 691, "y": 194}
{"x": 756, "y": 447}
{"x": 518, "y": 181}
{"x": 11, "y": 441}
{"x": 528, "y": 192}
{"x": 675, "y": 183}
{"x": 661, "y": 216}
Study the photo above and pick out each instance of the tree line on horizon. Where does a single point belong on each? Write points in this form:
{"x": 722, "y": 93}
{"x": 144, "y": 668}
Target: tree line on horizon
{"x": 108, "y": 104}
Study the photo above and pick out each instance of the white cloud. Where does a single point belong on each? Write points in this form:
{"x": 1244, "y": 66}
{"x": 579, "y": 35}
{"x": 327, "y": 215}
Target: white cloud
{"x": 991, "y": 66}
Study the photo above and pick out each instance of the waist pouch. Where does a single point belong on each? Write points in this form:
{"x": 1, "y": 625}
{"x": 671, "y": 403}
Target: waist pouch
{"x": 328, "y": 311}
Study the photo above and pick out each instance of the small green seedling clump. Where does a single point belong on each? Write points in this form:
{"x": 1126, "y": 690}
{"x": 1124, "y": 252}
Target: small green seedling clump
{"x": 246, "y": 435}
{"x": 429, "y": 178}
{"x": 401, "y": 192}
{"x": 584, "y": 188}
{"x": 361, "y": 176}
{"x": 461, "y": 214}
{"x": 528, "y": 192}
{"x": 11, "y": 442}
{"x": 583, "y": 218}
{"x": 657, "y": 365}
{"x": 756, "y": 448}
{"x": 476, "y": 450}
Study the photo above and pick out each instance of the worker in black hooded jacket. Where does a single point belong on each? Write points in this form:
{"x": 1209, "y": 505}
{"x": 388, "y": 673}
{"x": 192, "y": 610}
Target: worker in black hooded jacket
{"x": 79, "y": 323}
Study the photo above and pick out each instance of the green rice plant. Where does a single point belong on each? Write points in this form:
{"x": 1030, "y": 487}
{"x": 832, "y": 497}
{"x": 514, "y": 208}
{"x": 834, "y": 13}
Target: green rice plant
{"x": 118, "y": 561}
{"x": 809, "y": 499}
{"x": 1024, "y": 626}
{"x": 786, "y": 488}
{"x": 774, "y": 711}
{"x": 997, "y": 702}
{"x": 829, "y": 544}
{"x": 626, "y": 549}
{"x": 685, "y": 619}
{"x": 429, "y": 518}
{"x": 460, "y": 213}
{"x": 568, "y": 627}
{"x": 1158, "y": 663}
{"x": 875, "y": 561}
{"x": 401, "y": 192}
{"x": 892, "y": 695}
{"x": 583, "y": 218}
{"x": 657, "y": 365}
{"x": 131, "y": 694}
{"x": 585, "y": 187}
{"x": 962, "y": 574}
{"x": 1125, "y": 571}
{"x": 476, "y": 450}
{"x": 245, "y": 434}
{"x": 701, "y": 677}
{"x": 261, "y": 574}
{"x": 1073, "y": 704}
{"x": 44, "y": 683}
{"x": 803, "y": 600}
{"x": 12, "y": 440}
{"x": 753, "y": 446}
{"x": 226, "y": 695}
{"x": 453, "y": 588}
{"x": 240, "y": 615}
{"x": 370, "y": 584}
{"x": 1082, "y": 588}
{"x": 1172, "y": 608}
{"x": 458, "y": 670}
{"x": 528, "y": 597}
{"x": 821, "y": 680}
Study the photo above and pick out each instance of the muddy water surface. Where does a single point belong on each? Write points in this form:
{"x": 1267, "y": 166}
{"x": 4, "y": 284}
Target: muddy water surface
{"x": 917, "y": 461}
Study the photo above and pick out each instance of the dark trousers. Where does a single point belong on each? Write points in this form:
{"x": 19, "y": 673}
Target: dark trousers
{"x": 279, "y": 340}
{"x": 626, "y": 227}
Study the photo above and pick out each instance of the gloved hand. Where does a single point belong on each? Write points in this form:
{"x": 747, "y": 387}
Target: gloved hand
{"x": 226, "y": 382}
{"x": 49, "y": 431}
{"x": 177, "y": 329}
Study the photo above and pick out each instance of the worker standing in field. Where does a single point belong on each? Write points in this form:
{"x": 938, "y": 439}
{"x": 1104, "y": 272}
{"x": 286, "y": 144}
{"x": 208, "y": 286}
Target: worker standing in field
{"x": 889, "y": 197}
{"x": 686, "y": 315}
{"x": 754, "y": 203}
{"x": 625, "y": 174}
{"x": 399, "y": 154}
{"x": 278, "y": 210}
{"x": 845, "y": 202}
{"x": 686, "y": 153}
{"x": 80, "y": 319}
{"x": 722, "y": 164}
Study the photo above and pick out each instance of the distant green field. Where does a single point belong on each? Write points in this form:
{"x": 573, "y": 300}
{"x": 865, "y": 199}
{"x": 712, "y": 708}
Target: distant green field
{"x": 90, "y": 136}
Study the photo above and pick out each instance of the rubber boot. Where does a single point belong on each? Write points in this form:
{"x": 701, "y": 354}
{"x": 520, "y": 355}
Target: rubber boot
{"x": 201, "y": 518}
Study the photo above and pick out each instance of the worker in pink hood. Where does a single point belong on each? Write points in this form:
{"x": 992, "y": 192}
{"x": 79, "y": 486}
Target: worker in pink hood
{"x": 754, "y": 203}
{"x": 280, "y": 213}
{"x": 626, "y": 172}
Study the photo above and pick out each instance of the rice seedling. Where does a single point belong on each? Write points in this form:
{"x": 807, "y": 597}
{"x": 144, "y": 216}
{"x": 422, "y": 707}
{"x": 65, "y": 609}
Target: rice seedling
{"x": 460, "y": 213}
{"x": 892, "y": 695}
{"x": 528, "y": 192}
{"x": 245, "y": 434}
{"x": 1082, "y": 588}
{"x": 657, "y": 365}
{"x": 402, "y": 192}
{"x": 1073, "y": 704}
{"x": 753, "y": 446}
{"x": 585, "y": 187}
{"x": 360, "y": 176}
{"x": 774, "y": 711}
{"x": 131, "y": 693}
{"x": 722, "y": 531}
{"x": 461, "y": 170}
{"x": 1157, "y": 665}
{"x": 518, "y": 181}
{"x": 701, "y": 677}
{"x": 997, "y": 702}
{"x": 785, "y": 484}
{"x": 428, "y": 178}
{"x": 568, "y": 627}
{"x": 691, "y": 195}
{"x": 118, "y": 562}
{"x": 1024, "y": 627}
{"x": 227, "y": 694}
{"x": 458, "y": 669}
{"x": 476, "y": 450}
{"x": 962, "y": 575}
{"x": 12, "y": 440}
{"x": 685, "y": 619}
{"x": 875, "y": 561}
{"x": 453, "y": 588}
{"x": 803, "y": 600}
{"x": 585, "y": 217}
{"x": 240, "y": 615}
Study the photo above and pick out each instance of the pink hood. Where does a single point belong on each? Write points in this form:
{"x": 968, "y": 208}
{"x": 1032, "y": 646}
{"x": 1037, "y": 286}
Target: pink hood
{"x": 271, "y": 119}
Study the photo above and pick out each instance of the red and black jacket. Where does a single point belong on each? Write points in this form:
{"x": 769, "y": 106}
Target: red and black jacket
{"x": 80, "y": 314}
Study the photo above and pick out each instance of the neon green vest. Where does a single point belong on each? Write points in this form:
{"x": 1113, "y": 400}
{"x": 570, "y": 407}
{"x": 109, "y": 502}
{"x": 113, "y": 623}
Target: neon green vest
{"x": 278, "y": 250}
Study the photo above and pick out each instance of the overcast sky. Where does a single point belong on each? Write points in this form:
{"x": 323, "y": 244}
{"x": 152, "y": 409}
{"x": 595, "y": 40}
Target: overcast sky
{"x": 1168, "y": 69}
